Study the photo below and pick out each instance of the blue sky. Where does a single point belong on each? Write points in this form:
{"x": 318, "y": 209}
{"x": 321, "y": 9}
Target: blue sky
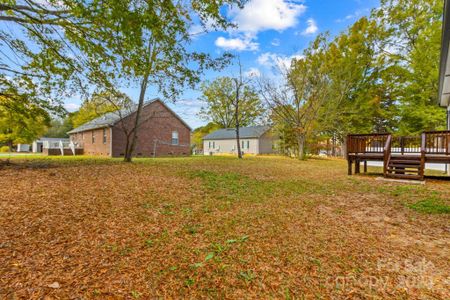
{"x": 270, "y": 32}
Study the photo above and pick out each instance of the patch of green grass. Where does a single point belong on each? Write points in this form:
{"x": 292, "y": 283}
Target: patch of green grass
{"x": 192, "y": 228}
{"x": 229, "y": 186}
{"x": 247, "y": 276}
{"x": 403, "y": 189}
{"x": 149, "y": 243}
{"x": 135, "y": 294}
{"x": 432, "y": 205}
{"x": 189, "y": 282}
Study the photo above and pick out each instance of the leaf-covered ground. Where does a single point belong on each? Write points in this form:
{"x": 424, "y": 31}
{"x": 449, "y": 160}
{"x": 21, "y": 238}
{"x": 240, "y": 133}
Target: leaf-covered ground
{"x": 216, "y": 227}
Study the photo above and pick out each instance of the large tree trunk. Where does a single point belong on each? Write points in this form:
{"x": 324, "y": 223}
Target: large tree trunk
{"x": 344, "y": 148}
{"x": 132, "y": 145}
{"x": 301, "y": 146}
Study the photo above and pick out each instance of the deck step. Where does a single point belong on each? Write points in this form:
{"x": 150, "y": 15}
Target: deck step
{"x": 405, "y": 162}
{"x": 396, "y": 171}
{"x": 391, "y": 165}
{"x": 404, "y": 176}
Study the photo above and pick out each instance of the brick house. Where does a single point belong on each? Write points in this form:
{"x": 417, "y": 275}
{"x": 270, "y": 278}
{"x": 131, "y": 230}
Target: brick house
{"x": 161, "y": 132}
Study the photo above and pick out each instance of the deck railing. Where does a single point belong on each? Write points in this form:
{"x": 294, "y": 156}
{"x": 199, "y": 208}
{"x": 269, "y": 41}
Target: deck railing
{"x": 406, "y": 144}
{"x": 366, "y": 143}
{"x": 431, "y": 142}
{"x": 437, "y": 142}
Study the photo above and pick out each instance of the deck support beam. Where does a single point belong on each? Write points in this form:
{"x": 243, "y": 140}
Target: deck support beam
{"x": 357, "y": 166}
{"x": 349, "y": 161}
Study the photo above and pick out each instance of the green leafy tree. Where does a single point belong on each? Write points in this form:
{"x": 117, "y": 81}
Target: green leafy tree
{"x": 99, "y": 104}
{"x": 200, "y": 132}
{"x": 295, "y": 104}
{"x": 359, "y": 101}
{"x": 51, "y": 44}
{"x": 59, "y": 127}
{"x": 20, "y": 120}
{"x": 231, "y": 102}
{"x": 412, "y": 44}
{"x": 218, "y": 97}
{"x": 148, "y": 43}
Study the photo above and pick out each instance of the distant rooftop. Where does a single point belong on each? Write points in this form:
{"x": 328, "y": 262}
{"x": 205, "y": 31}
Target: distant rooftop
{"x": 48, "y": 139}
{"x": 244, "y": 133}
{"x": 106, "y": 120}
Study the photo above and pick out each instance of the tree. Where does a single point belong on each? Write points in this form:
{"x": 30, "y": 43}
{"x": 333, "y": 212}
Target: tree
{"x": 231, "y": 102}
{"x": 59, "y": 127}
{"x": 100, "y": 104}
{"x": 200, "y": 132}
{"x": 297, "y": 100}
{"x": 219, "y": 107}
{"x": 412, "y": 45}
{"x": 20, "y": 120}
{"x": 355, "y": 103}
{"x": 147, "y": 43}
{"x": 46, "y": 49}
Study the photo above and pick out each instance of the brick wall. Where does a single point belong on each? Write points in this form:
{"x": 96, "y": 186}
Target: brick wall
{"x": 68, "y": 152}
{"x": 96, "y": 146}
{"x": 157, "y": 123}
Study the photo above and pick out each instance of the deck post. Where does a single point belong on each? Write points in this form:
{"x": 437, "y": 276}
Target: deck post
{"x": 349, "y": 166}
{"x": 357, "y": 166}
{"x": 365, "y": 166}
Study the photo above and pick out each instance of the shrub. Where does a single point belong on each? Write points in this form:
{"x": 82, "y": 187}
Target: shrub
{"x": 4, "y": 149}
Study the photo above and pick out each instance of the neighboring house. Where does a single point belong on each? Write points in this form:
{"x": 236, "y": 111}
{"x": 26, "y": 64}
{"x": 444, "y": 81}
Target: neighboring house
{"x": 254, "y": 140}
{"x": 161, "y": 132}
{"x": 23, "y": 147}
{"x": 39, "y": 145}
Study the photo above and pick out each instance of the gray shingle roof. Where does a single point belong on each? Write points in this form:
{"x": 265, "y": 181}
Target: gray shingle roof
{"x": 244, "y": 133}
{"x": 106, "y": 120}
{"x": 109, "y": 119}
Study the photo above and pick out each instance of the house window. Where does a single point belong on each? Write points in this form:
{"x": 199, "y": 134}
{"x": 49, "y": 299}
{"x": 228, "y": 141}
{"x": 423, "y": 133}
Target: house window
{"x": 104, "y": 135}
{"x": 174, "y": 137}
{"x": 93, "y": 137}
{"x": 248, "y": 144}
{"x": 214, "y": 145}
{"x": 209, "y": 144}
{"x": 242, "y": 145}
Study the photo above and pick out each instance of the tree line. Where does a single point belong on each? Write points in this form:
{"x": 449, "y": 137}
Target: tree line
{"x": 60, "y": 48}
{"x": 379, "y": 75}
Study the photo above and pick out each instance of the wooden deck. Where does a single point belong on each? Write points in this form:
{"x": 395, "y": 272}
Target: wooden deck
{"x": 403, "y": 157}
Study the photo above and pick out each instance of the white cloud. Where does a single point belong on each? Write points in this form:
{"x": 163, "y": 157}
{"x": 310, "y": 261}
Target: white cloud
{"x": 256, "y": 16}
{"x": 188, "y": 102}
{"x": 273, "y": 60}
{"x": 275, "y": 42}
{"x": 312, "y": 27}
{"x": 253, "y": 72}
{"x": 71, "y": 106}
{"x": 239, "y": 44}
{"x": 260, "y": 15}
{"x": 358, "y": 13}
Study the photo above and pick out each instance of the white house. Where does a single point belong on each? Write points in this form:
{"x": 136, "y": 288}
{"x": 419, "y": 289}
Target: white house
{"x": 47, "y": 143}
{"x": 254, "y": 140}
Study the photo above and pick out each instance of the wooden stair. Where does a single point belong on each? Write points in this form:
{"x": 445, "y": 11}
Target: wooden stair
{"x": 405, "y": 167}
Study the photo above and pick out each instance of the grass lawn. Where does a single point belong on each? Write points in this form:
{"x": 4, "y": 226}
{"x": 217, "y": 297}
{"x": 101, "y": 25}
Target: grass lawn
{"x": 216, "y": 227}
